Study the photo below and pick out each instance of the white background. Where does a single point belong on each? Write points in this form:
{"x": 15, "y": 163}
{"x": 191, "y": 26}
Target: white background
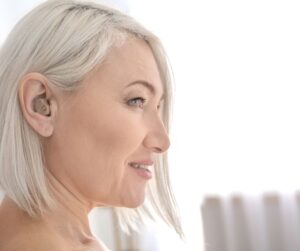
{"x": 236, "y": 116}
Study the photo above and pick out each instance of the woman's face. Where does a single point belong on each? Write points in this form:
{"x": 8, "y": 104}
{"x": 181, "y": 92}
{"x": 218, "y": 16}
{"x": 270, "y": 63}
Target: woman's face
{"x": 104, "y": 127}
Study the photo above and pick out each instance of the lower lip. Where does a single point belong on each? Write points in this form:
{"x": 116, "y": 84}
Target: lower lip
{"x": 142, "y": 173}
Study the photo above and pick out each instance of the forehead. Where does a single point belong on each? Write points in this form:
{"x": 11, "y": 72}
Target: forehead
{"x": 129, "y": 62}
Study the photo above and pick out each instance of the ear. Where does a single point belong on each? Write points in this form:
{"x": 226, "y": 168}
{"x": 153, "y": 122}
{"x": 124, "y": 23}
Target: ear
{"x": 38, "y": 103}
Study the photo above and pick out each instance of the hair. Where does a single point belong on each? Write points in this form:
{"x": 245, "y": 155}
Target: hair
{"x": 64, "y": 40}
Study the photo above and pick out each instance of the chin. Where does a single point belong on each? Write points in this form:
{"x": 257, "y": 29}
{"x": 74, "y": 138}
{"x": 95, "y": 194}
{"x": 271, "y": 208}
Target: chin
{"x": 134, "y": 203}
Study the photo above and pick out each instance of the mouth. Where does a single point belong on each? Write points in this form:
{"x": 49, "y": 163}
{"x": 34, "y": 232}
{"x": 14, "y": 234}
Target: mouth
{"x": 142, "y": 170}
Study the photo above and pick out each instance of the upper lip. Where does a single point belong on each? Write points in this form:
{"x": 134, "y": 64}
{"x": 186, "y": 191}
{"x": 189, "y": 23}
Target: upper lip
{"x": 143, "y": 162}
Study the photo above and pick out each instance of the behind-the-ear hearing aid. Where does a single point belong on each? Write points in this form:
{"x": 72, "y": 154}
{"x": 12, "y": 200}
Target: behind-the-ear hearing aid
{"x": 42, "y": 106}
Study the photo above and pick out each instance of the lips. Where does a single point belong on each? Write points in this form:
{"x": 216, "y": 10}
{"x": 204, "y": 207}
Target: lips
{"x": 137, "y": 166}
{"x": 143, "y": 162}
{"x": 142, "y": 168}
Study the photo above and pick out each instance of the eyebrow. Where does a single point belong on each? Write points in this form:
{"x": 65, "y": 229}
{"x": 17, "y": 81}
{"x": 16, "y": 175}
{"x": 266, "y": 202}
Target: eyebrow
{"x": 149, "y": 86}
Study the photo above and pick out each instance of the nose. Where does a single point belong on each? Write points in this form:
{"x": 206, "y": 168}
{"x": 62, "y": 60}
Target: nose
{"x": 157, "y": 138}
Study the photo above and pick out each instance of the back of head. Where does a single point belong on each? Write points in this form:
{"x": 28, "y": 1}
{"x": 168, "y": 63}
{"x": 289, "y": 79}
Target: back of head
{"x": 64, "y": 40}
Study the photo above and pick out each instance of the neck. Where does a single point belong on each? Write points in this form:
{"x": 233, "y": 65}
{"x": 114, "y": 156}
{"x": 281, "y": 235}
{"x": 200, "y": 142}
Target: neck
{"x": 70, "y": 218}
{"x": 68, "y": 222}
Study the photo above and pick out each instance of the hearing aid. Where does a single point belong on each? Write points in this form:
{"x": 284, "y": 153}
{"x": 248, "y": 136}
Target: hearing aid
{"x": 42, "y": 106}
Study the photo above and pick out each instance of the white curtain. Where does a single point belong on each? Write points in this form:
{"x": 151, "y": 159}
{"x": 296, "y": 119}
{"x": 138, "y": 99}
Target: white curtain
{"x": 268, "y": 222}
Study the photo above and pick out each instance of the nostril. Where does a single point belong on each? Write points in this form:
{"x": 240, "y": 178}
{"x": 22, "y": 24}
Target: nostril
{"x": 158, "y": 150}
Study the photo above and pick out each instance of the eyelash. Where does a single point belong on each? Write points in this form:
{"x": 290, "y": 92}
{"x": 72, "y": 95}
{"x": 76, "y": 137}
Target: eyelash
{"x": 143, "y": 100}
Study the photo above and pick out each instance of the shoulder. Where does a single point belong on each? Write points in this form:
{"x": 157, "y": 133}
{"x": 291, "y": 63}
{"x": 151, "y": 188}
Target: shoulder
{"x": 28, "y": 245}
{"x": 19, "y": 233}
{"x": 32, "y": 241}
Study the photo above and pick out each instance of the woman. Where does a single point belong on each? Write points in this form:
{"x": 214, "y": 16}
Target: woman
{"x": 85, "y": 100}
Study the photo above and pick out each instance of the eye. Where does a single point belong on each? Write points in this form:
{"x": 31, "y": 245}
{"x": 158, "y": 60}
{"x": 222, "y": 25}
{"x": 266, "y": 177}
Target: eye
{"x": 136, "y": 101}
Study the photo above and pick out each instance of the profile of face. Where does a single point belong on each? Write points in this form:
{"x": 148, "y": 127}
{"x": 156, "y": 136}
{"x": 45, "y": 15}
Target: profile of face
{"x": 113, "y": 120}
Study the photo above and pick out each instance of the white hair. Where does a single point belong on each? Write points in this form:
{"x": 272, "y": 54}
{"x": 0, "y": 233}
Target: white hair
{"x": 64, "y": 40}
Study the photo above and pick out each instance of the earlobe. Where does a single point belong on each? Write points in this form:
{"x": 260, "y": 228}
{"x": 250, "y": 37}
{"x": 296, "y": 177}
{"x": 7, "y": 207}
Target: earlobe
{"x": 37, "y": 103}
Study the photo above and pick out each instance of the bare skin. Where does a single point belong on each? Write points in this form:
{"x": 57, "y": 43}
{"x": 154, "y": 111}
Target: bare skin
{"x": 88, "y": 142}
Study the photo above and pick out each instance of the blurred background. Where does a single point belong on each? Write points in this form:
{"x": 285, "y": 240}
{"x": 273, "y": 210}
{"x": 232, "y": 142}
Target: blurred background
{"x": 235, "y": 136}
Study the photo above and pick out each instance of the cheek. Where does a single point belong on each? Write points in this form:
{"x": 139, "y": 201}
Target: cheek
{"x": 114, "y": 135}
{"x": 95, "y": 151}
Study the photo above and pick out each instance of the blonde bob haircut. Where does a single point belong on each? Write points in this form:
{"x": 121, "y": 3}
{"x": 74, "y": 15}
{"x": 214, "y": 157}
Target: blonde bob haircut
{"x": 64, "y": 40}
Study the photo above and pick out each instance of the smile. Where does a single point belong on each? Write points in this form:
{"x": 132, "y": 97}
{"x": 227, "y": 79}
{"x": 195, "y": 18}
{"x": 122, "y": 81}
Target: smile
{"x": 141, "y": 170}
